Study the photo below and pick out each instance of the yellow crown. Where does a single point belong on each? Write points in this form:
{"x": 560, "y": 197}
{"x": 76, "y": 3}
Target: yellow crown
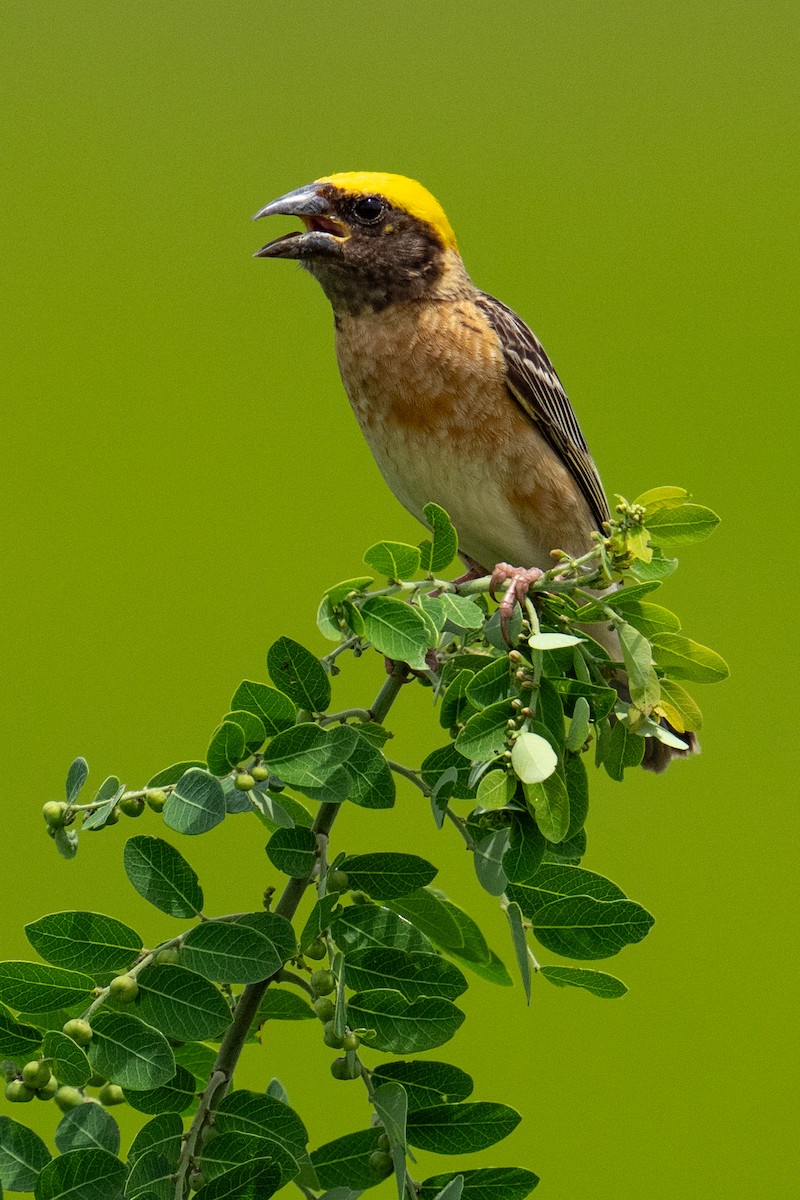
{"x": 402, "y": 193}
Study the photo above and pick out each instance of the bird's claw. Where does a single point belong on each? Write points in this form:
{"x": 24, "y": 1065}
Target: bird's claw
{"x": 519, "y": 580}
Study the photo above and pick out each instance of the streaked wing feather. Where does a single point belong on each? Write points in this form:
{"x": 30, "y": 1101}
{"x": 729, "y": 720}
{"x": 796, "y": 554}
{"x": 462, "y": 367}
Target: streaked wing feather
{"x": 534, "y": 385}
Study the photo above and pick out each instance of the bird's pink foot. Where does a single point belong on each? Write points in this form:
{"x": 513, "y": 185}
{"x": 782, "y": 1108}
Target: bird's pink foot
{"x": 519, "y": 580}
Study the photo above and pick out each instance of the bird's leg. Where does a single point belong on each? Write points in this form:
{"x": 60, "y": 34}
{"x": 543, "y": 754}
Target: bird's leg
{"x": 474, "y": 570}
{"x": 519, "y": 580}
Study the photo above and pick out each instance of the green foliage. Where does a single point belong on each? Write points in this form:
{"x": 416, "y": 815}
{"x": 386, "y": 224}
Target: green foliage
{"x": 383, "y": 954}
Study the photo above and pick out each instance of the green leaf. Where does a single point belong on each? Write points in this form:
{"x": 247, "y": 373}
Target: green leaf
{"x": 686, "y": 706}
{"x": 162, "y": 876}
{"x": 306, "y": 756}
{"x": 255, "y": 1180}
{"x": 274, "y": 710}
{"x": 198, "y": 1058}
{"x": 23, "y": 1154}
{"x": 662, "y": 497}
{"x": 344, "y": 1162}
{"x": 581, "y": 927}
{"x": 176, "y": 1095}
{"x": 128, "y": 1052}
{"x": 461, "y": 611}
{"x": 172, "y": 774}
{"x": 319, "y": 919}
{"x": 426, "y": 1083}
{"x": 299, "y": 674}
{"x": 181, "y": 1003}
{"x": 149, "y": 1177}
{"x": 372, "y": 783}
{"x": 595, "y": 611}
{"x": 514, "y": 914}
{"x": 651, "y": 619}
{"x": 491, "y": 684}
{"x": 461, "y": 1128}
{"x": 66, "y": 841}
{"x": 196, "y": 805}
{"x": 106, "y": 798}
{"x": 658, "y": 568}
{"x": 226, "y": 748}
{"x": 17, "y": 1040}
{"x": 550, "y": 713}
{"x": 439, "y": 763}
{"x": 161, "y": 1135}
{"x": 495, "y": 790}
{"x": 433, "y": 916}
{"x": 229, "y": 953}
{"x": 488, "y": 861}
{"x": 340, "y": 591}
{"x": 623, "y": 749}
{"x": 275, "y": 928}
{"x": 579, "y": 725}
{"x": 552, "y": 641}
{"x": 485, "y": 735}
{"x": 578, "y": 788}
{"x": 39, "y": 988}
{"x": 681, "y": 525}
{"x": 387, "y": 876}
{"x": 401, "y": 1026}
{"x": 637, "y": 655}
{"x": 87, "y": 1125}
{"x": 88, "y": 940}
{"x": 533, "y": 758}
{"x": 524, "y": 854}
{"x": 263, "y": 1117}
{"x": 601, "y": 699}
{"x": 456, "y": 706}
{"x": 279, "y": 1004}
{"x": 549, "y": 802}
{"x": 553, "y": 880}
{"x": 485, "y": 1183}
{"x": 361, "y": 925}
{"x": 251, "y": 726}
{"x": 88, "y": 1174}
{"x": 409, "y": 972}
{"x": 76, "y": 778}
{"x": 397, "y": 630}
{"x": 438, "y": 554}
{"x": 293, "y": 851}
{"x": 391, "y": 1106}
{"x": 682, "y": 658}
{"x": 597, "y": 982}
{"x": 395, "y": 560}
{"x": 68, "y": 1061}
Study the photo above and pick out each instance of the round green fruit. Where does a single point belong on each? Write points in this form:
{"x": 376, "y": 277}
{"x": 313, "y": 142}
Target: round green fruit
{"x": 322, "y": 983}
{"x": 80, "y": 1031}
{"x": 351, "y": 1042}
{"x": 53, "y": 813}
{"x": 260, "y": 773}
{"x": 380, "y": 1163}
{"x": 68, "y": 1097}
{"x": 244, "y": 781}
{"x": 156, "y": 799}
{"x": 36, "y": 1074}
{"x": 316, "y": 950}
{"x": 113, "y": 816}
{"x": 168, "y": 955}
{"x": 331, "y": 1038}
{"x": 337, "y": 881}
{"x": 341, "y": 1070}
{"x": 49, "y": 1090}
{"x": 324, "y": 1009}
{"x": 132, "y": 806}
{"x": 124, "y": 988}
{"x": 111, "y": 1094}
{"x": 383, "y": 1142}
{"x": 18, "y": 1092}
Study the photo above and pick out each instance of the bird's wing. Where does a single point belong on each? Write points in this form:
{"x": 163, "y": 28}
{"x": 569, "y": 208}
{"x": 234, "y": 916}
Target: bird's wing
{"x": 534, "y": 385}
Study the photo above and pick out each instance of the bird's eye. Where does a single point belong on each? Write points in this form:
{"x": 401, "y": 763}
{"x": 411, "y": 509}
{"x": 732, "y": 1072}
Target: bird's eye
{"x": 368, "y": 210}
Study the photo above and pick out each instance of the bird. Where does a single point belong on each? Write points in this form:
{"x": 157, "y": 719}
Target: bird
{"x": 454, "y": 393}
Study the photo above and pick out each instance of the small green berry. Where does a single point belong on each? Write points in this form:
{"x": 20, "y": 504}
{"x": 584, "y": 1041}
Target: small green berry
{"x": 341, "y": 1070}
{"x": 316, "y": 950}
{"x": 351, "y": 1042}
{"x": 68, "y": 1097}
{"x": 331, "y": 1038}
{"x": 260, "y": 772}
{"x": 380, "y": 1163}
{"x": 156, "y": 799}
{"x": 244, "y": 781}
{"x": 324, "y": 1009}
{"x": 111, "y": 1094}
{"x": 360, "y": 898}
{"x": 53, "y": 813}
{"x": 132, "y": 806}
{"x": 49, "y": 1090}
{"x": 322, "y": 983}
{"x": 337, "y": 881}
{"x": 383, "y": 1142}
{"x": 36, "y": 1074}
{"x": 18, "y": 1092}
{"x": 113, "y": 816}
{"x": 168, "y": 955}
{"x": 80, "y": 1031}
{"x": 124, "y": 988}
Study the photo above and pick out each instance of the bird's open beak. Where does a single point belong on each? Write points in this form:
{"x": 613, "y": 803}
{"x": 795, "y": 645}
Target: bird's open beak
{"x": 323, "y": 234}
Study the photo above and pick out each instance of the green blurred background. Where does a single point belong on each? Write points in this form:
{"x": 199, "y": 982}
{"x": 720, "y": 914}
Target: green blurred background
{"x": 180, "y": 464}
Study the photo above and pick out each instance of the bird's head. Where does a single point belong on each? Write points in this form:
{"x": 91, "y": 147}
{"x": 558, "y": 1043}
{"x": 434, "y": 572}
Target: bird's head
{"x": 370, "y": 238}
